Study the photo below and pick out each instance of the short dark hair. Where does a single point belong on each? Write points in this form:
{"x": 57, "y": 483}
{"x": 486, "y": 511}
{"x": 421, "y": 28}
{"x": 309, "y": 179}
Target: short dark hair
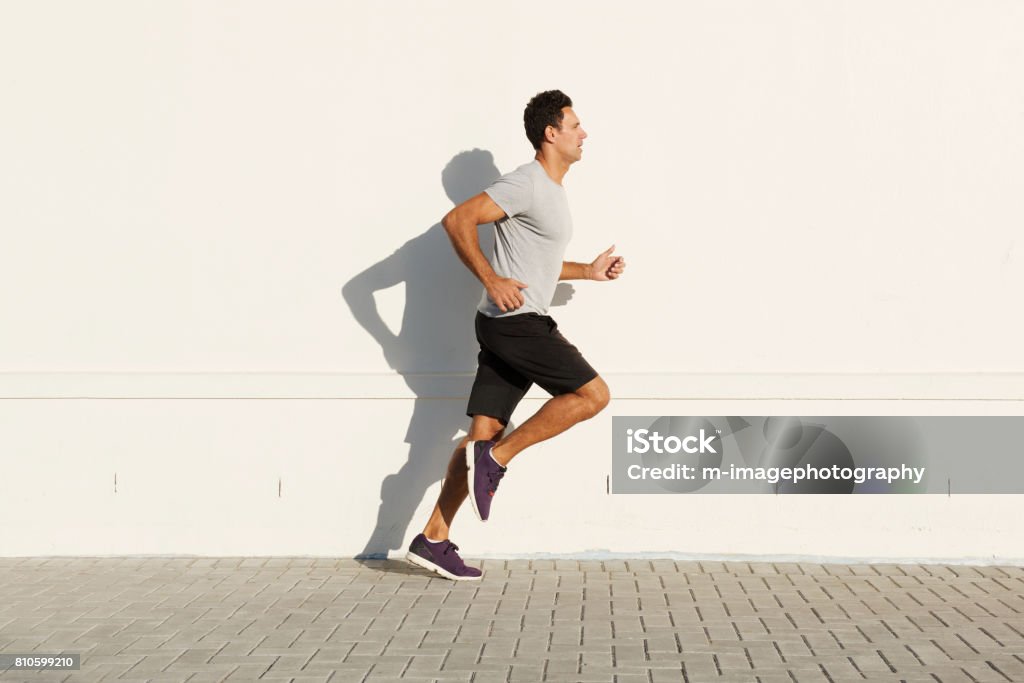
{"x": 545, "y": 109}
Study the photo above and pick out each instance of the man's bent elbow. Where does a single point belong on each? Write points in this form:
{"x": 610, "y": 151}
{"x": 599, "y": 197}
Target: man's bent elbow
{"x": 454, "y": 222}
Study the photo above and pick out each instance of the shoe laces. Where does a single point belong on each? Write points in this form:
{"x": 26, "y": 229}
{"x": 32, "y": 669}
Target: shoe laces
{"x": 451, "y": 546}
{"x": 494, "y": 478}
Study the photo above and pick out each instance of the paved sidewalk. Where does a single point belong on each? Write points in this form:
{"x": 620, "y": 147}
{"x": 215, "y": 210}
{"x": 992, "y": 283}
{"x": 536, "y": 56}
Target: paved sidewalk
{"x": 639, "y": 621}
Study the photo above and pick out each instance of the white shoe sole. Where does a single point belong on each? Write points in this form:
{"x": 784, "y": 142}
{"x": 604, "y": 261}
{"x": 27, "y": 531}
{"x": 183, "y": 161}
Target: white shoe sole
{"x": 427, "y": 564}
{"x": 470, "y": 451}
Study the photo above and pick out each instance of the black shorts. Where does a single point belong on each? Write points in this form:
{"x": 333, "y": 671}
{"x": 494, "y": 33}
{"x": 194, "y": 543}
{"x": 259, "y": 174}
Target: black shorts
{"x": 516, "y": 352}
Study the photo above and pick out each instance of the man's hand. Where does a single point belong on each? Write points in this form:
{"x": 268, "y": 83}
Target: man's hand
{"x": 505, "y": 294}
{"x": 607, "y": 267}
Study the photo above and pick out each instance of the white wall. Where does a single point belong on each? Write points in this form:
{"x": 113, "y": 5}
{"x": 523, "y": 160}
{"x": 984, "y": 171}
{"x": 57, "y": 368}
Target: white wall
{"x": 221, "y": 263}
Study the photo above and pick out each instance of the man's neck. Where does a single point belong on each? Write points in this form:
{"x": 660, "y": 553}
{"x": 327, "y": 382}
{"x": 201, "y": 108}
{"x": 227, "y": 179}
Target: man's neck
{"x": 555, "y": 168}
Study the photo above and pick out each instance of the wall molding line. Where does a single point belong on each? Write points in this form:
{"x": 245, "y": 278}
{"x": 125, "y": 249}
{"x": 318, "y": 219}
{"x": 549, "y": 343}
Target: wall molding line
{"x": 394, "y": 386}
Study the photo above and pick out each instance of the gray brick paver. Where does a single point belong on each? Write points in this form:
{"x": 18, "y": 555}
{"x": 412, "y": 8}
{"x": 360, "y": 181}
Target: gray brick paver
{"x": 202, "y": 619}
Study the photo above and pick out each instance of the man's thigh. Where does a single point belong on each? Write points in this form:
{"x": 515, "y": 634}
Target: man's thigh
{"x": 533, "y": 348}
{"x": 497, "y": 389}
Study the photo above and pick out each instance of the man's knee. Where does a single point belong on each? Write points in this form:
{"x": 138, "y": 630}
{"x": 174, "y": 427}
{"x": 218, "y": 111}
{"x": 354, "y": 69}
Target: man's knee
{"x": 596, "y": 394}
{"x": 483, "y": 428}
{"x": 486, "y": 428}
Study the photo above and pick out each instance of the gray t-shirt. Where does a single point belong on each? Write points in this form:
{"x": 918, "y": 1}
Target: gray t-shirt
{"x": 529, "y": 243}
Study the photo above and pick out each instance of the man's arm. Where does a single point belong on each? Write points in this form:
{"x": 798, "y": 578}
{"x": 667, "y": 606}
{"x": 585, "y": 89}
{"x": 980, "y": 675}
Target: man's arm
{"x": 460, "y": 223}
{"x": 575, "y": 271}
{"x": 604, "y": 267}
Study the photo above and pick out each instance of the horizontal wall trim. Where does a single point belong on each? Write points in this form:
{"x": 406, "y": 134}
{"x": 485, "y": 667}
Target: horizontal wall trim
{"x": 393, "y": 386}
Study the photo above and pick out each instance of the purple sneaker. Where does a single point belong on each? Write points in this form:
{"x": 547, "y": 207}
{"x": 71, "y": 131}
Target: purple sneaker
{"x": 441, "y": 558}
{"x": 484, "y": 475}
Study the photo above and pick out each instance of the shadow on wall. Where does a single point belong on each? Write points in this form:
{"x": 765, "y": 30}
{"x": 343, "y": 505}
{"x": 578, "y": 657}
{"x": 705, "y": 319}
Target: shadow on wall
{"x": 436, "y": 336}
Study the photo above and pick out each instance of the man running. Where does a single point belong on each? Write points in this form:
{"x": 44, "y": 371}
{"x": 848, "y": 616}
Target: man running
{"x": 519, "y": 343}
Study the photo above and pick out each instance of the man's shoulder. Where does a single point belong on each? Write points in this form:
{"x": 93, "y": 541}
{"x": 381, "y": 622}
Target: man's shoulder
{"x": 514, "y": 191}
{"x": 527, "y": 170}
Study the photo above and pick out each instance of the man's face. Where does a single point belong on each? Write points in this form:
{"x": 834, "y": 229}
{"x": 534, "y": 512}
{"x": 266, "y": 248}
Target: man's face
{"x": 569, "y": 138}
